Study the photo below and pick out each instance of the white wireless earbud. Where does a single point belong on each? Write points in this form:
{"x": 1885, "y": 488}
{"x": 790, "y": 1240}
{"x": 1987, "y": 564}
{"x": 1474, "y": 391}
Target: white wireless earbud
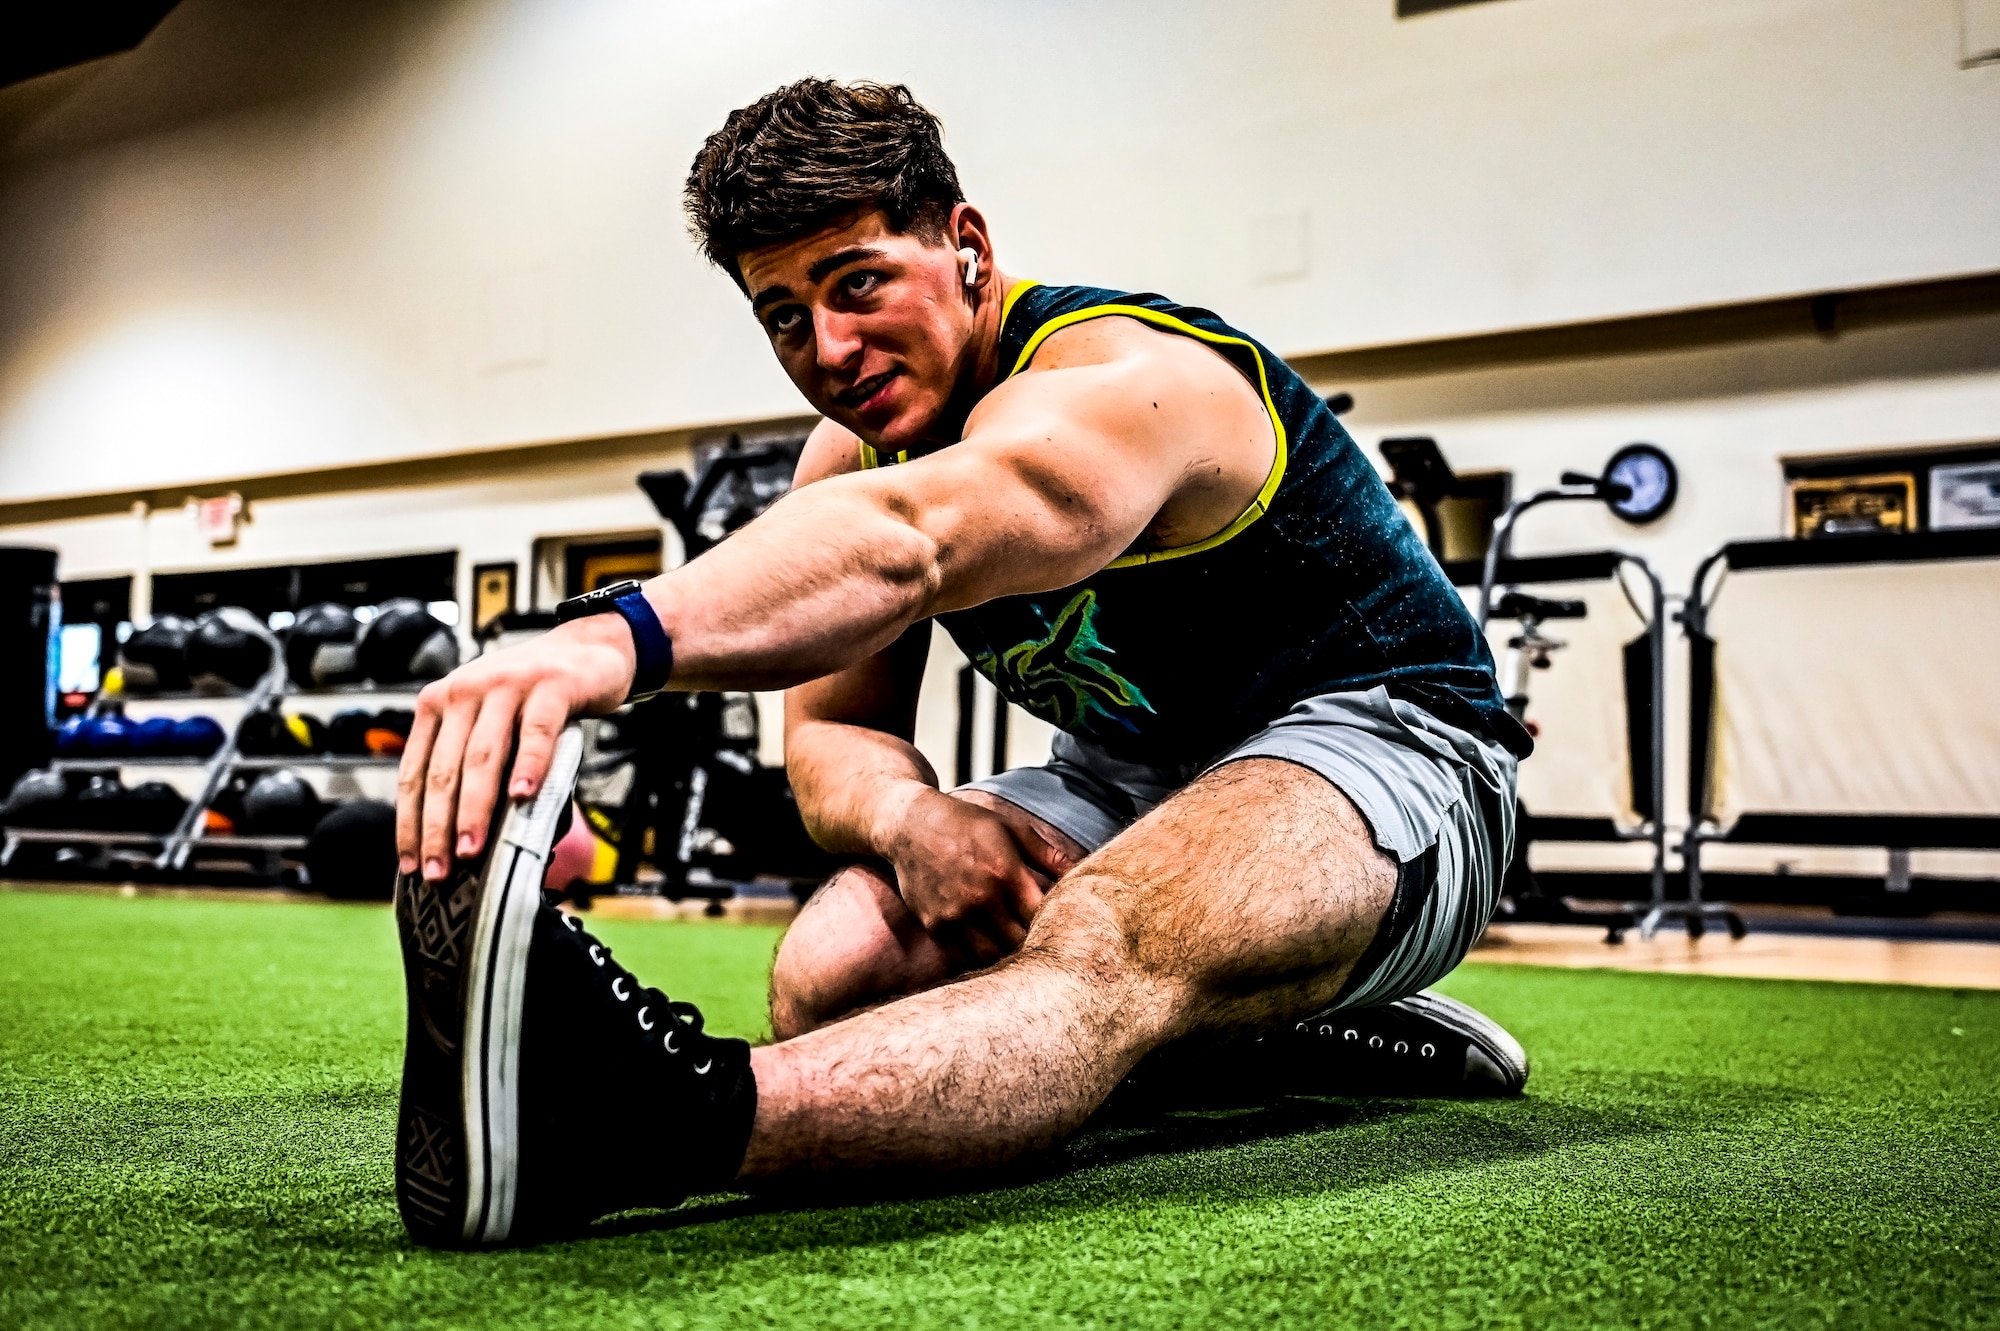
{"x": 971, "y": 258}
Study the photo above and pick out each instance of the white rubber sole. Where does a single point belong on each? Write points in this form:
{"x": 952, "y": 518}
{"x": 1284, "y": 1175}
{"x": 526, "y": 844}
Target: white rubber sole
{"x": 509, "y": 896}
{"x": 1488, "y": 1037}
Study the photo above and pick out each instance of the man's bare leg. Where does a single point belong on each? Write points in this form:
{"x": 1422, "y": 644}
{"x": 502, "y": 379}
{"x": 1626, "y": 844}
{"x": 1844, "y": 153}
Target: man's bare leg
{"x": 1245, "y": 899}
{"x": 857, "y": 943}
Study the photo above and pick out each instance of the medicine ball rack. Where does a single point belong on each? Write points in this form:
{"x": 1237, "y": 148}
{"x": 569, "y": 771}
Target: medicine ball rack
{"x": 185, "y": 845}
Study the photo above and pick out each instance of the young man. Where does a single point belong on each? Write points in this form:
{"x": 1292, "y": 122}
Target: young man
{"x": 1279, "y": 803}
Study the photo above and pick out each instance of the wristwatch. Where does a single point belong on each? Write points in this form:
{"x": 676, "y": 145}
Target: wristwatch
{"x": 653, "y": 648}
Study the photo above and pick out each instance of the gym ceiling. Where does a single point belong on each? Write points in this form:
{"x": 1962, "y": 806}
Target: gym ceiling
{"x": 37, "y": 39}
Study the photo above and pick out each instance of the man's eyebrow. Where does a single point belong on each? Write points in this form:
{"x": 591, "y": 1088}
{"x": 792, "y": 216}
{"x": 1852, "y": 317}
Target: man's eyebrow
{"x": 818, "y": 273}
{"x": 840, "y": 259}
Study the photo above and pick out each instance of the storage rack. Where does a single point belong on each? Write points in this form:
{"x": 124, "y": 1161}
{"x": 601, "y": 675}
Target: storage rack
{"x": 185, "y": 845}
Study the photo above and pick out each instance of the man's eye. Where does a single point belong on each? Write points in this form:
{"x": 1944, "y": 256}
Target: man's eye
{"x": 787, "y": 320}
{"x": 860, "y": 284}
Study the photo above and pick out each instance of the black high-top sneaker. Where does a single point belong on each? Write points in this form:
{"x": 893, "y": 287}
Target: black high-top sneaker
{"x": 1423, "y": 1046}
{"x": 522, "y": 1031}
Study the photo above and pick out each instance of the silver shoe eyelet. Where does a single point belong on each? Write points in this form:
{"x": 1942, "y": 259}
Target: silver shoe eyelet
{"x": 1301, "y": 1028}
{"x": 1352, "y": 1034}
{"x": 1428, "y": 1050}
{"x": 569, "y": 923}
{"x": 1402, "y": 1046}
{"x": 621, "y": 994}
{"x": 1374, "y": 1042}
{"x": 672, "y": 1048}
{"x": 1326, "y": 1030}
{"x": 702, "y": 1071}
{"x": 596, "y": 955}
{"x": 644, "y": 1025}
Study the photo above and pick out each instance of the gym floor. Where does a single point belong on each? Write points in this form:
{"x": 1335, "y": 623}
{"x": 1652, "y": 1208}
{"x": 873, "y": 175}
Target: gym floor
{"x": 198, "y": 1097}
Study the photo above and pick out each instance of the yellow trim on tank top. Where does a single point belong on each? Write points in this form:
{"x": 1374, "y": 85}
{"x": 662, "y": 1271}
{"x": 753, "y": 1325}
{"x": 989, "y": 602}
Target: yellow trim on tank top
{"x": 1258, "y": 506}
{"x": 870, "y": 458}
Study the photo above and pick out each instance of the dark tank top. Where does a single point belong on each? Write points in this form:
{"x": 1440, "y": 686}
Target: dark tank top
{"x": 1172, "y": 657}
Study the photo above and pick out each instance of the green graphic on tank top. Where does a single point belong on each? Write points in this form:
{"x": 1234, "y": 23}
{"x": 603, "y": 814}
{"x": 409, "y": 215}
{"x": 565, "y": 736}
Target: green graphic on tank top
{"x": 1062, "y": 677}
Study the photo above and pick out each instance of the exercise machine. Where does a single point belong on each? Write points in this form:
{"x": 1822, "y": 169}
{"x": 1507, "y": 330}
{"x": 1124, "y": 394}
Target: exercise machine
{"x": 697, "y": 804}
{"x": 1898, "y": 833}
{"x": 1638, "y": 485}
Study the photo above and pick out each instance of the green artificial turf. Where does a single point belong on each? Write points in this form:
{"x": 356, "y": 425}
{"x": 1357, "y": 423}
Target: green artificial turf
{"x": 196, "y": 1103}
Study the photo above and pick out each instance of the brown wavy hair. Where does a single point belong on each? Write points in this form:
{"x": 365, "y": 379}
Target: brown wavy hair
{"x": 811, "y": 153}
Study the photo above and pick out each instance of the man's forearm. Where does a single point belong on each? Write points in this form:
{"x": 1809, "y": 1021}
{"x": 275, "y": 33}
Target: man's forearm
{"x": 851, "y": 782}
{"x": 825, "y": 579}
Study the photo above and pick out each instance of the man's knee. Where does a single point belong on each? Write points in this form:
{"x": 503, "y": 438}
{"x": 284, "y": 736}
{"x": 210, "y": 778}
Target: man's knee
{"x": 851, "y": 945}
{"x": 1090, "y": 928}
{"x": 1212, "y": 923}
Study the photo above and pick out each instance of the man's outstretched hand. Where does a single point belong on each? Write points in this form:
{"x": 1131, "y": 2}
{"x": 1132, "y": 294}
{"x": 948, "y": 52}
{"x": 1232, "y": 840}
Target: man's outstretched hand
{"x": 466, "y": 726}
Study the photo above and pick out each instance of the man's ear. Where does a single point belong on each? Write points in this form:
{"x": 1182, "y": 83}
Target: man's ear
{"x": 967, "y": 231}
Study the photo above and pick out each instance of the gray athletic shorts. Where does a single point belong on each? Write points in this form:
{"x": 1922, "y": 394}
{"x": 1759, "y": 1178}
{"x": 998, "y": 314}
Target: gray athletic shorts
{"x": 1439, "y": 800}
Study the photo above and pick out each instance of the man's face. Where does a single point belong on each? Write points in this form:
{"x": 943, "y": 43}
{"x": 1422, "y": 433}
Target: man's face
{"x": 875, "y": 328}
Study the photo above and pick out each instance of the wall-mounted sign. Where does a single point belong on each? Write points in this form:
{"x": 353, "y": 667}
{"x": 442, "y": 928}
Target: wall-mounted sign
{"x": 217, "y": 519}
{"x": 1854, "y": 505}
{"x": 1965, "y": 495}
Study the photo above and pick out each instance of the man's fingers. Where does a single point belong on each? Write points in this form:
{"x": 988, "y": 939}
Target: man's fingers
{"x": 441, "y": 787}
{"x": 1043, "y": 854}
{"x": 1007, "y": 930}
{"x": 1027, "y": 890}
{"x": 410, "y": 781}
{"x": 542, "y": 722}
{"x": 486, "y": 750}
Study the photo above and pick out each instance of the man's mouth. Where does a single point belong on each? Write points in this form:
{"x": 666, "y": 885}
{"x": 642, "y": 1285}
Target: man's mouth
{"x": 858, "y": 397}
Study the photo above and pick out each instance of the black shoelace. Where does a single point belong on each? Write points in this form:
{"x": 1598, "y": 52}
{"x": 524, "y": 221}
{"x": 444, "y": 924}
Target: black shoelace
{"x": 683, "y": 1021}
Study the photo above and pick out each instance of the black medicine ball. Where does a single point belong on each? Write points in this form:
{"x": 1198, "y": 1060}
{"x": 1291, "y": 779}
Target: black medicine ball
{"x": 347, "y": 733}
{"x": 100, "y": 805}
{"x": 399, "y": 719}
{"x": 308, "y": 730}
{"x": 271, "y": 733}
{"x": 151, "y": 806}
{"x": 39, "y": 799}
{"x": 228, "y": 801}
{"x": 404, "y": 643}
{"x": 280, "y": 803}
{"x": 155, "y": 657}
{"x": 353, "y": 851}
{"x": 319, "y": 647}
{"x": 225, "y": 650}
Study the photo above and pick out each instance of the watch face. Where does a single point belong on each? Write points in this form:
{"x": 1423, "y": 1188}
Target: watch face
{"x": 1650, "y": 475}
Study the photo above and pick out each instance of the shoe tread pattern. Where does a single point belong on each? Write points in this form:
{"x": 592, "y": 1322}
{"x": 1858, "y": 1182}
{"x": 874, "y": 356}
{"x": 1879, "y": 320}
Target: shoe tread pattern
{"x": 435, "y": 924}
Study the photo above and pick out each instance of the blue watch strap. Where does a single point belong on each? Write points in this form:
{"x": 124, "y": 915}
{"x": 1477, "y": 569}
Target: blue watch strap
{"x": 654, "y": 649}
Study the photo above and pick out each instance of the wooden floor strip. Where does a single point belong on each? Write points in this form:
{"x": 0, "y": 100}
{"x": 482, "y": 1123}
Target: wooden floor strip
{"x": 1951, "y": 965}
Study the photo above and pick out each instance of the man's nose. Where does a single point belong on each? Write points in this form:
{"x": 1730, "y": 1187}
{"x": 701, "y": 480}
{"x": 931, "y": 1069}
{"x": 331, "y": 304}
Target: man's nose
{"x": 836, "y": 339}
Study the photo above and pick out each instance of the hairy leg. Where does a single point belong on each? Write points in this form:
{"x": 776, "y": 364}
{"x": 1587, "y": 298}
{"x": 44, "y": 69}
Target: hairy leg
{"x": 856, "y": 943}
{"x": 1245, "y": 899}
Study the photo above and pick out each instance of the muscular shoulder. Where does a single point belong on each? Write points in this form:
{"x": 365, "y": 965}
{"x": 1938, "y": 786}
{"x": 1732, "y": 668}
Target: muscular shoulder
{"x": 1175, "y": 405}
{"x": 1141, "y": 350}
{"x": 830, "y": 450}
